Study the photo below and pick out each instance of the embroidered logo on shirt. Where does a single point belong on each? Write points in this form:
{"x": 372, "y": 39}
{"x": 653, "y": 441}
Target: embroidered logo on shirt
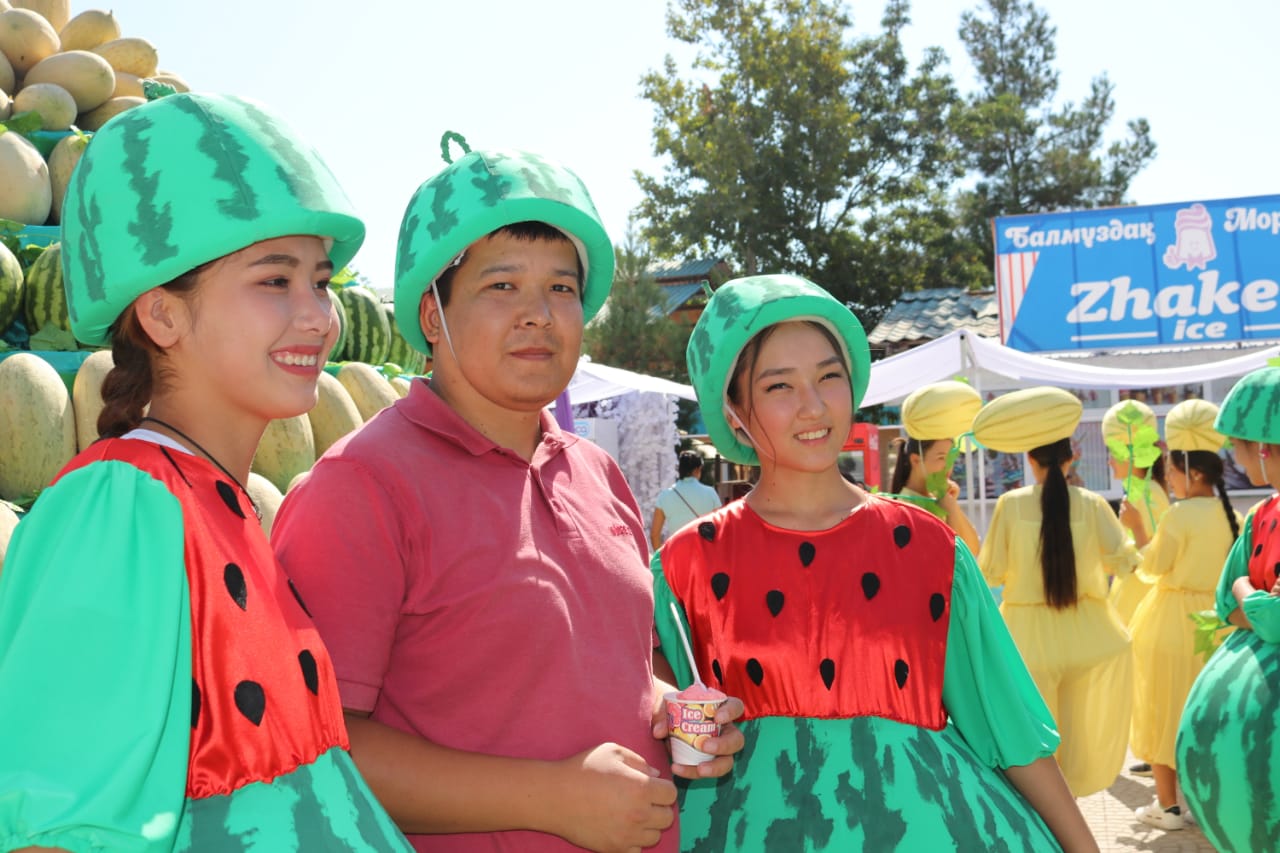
{"x": 620, "y": 530}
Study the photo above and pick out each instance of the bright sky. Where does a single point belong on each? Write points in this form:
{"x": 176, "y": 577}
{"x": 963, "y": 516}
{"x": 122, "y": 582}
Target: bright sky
{"x": 373, "y": 84}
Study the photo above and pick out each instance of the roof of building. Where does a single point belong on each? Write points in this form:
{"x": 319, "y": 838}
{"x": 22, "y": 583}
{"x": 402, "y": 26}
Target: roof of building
{"x": 674, "y": 270}
{"x": 931, "y": 313}
{"x": 678, "y": 294}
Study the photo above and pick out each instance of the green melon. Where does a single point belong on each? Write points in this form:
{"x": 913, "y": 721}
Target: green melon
{"x": 1228, "y": 748}
{"x": 44, "y": 300}
{"x": 400, "y": 353}
{"x": 368, "y": 335}
{"x": 339, "y": 346}
{"x": 10, "y": 287}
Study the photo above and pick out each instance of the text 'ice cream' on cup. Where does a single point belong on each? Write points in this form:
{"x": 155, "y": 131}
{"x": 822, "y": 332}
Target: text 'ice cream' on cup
{"x": 691, "y": 720}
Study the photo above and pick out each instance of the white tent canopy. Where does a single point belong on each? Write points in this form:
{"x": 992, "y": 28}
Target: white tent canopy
{"x": 592, "y": 382}
{"x": 960, "y": 352}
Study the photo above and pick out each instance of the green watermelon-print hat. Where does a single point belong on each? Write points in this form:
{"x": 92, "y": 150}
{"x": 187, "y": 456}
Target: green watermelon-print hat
{"x": 736, "y": 312}
{"x": 475, "y": 196}
{"x": 180, "y": 181}
{"x": 1252, "y": 408}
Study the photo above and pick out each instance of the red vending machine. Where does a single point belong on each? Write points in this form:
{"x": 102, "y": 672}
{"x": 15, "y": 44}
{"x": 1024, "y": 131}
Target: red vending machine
{"x": 860, "y": 456}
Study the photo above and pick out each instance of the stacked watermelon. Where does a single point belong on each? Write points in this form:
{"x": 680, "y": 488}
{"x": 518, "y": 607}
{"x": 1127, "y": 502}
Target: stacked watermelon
{"x": 31, "y": 291}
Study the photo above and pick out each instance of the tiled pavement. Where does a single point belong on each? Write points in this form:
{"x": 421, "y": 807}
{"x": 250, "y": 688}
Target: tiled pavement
{"x": 1110, "y": 815}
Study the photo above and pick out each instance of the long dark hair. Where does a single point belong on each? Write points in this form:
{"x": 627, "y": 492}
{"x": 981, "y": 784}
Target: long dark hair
{"x": 1210, "y": 466}
{"x": 129, "y": 385}
{"x": 1057, "y": 550}
{"x": 902, "y": 468}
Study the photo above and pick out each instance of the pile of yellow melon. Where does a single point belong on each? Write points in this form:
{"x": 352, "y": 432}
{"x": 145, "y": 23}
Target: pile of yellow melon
{"x": 74, "y": 72}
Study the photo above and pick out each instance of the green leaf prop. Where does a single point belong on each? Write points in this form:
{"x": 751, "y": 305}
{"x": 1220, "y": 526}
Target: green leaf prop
{"x": 24, "y": 123}
{"x": 1206, "y": 635}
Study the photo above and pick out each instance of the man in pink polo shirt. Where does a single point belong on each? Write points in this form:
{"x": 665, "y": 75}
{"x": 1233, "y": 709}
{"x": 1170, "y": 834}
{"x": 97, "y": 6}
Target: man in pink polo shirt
{"x": 480, "y": 576}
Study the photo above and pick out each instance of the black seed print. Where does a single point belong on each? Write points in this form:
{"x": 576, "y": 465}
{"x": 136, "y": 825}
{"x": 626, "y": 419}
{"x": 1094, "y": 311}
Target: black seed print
{"x": 234, "y": 579}
{"x": 195, "y": 703}
{"x": 716, "y": 671}
{"x": 755, "y": 671}
{"x": 807, "y": 553}
{"x": 251, "y": 700}
{"x": 937, "y": 604}
{"x": 901, "y": 535}
{"x": 900, "y": 670}
{"x": 1257, "y": 549}
{"x": 228, "y": 495}
{"x": 870, "y": 585}
{"x": 1273, "y": 525}
{"x": 828, "y": 670}
{"x": 774, "y": 599}
{"x": 707, "y": 530}
{"x": 719, "y": 585}
{"x": 310, "y": 675}
{"x": 293, "y": 589}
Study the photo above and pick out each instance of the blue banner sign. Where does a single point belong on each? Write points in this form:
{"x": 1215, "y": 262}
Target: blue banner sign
{"x": 1192, "y": 273}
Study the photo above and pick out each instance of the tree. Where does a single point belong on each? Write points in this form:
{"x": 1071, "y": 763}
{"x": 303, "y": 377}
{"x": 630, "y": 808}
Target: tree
{"x": 792, "y": 148}
{"x": 633, "y": 330}
{"x": 1030, "y": 156}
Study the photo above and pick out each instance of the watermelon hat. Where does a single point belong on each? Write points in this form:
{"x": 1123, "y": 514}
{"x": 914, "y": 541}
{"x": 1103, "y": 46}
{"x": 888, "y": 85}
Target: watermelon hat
{"x": 1252, "y": 408}
{"x": 737, "y": 311}
{"x": 181, "y": 181}
{"x": 478, "y": 194}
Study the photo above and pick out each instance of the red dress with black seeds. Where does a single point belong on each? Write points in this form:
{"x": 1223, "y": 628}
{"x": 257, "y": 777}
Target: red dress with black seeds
{"x": 264, "y": 698}
{"x": 795, "y": 628}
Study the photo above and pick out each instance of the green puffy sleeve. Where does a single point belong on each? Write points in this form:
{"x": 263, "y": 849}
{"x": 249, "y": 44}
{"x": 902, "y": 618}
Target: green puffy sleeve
{"x": 986, "y": 688}
{"x": 1236, "y": 567}
{"x": 95, "y": 666}
{"x": 665, "y": 621}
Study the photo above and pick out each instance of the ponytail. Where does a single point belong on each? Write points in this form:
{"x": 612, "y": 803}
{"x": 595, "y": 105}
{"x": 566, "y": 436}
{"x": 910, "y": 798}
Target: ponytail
{"x": 126, "y": 390}
{"x": 1057, "y": 550}
{"x": 129, "y": 385}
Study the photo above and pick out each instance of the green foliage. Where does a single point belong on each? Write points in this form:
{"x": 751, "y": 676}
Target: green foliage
{"x": 633, "y": 330}
{"x": 791, "y": 147}
{"x": 1030, "y": 155}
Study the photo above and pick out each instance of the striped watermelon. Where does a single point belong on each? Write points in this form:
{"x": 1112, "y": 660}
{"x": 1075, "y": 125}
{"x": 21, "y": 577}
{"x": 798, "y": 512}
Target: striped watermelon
{"x": 368, "y": 335}
{"x": 10, "y": 287}
{"x": 45, "y": 301}
{"x": 401, "y": 354}
{"x": 336, "y": 354}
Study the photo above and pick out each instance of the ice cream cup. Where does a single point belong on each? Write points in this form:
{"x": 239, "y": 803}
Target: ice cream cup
{"x": 691, "y": 720}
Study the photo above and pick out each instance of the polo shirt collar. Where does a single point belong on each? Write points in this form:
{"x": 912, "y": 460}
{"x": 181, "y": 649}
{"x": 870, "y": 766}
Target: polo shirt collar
{"x": 425, "y": 408}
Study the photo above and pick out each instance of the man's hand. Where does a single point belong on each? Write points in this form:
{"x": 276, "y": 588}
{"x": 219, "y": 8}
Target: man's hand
{"x": 614, "y": 801}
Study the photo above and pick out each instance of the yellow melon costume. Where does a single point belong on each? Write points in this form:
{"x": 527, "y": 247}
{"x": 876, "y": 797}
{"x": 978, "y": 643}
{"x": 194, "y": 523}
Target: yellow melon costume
{"x": 1183, "y": 562}
{"x": 1079, "y": 655}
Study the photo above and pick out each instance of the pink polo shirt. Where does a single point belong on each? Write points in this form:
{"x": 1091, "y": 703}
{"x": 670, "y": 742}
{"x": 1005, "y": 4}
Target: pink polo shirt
{"x": 481, "y": 601}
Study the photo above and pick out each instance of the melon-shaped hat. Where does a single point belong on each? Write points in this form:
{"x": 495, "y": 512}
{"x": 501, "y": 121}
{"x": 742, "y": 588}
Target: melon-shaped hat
{"x": 183, "y": 180}
{"x": 1252, "y": 408}
{"x": 1021, "y": 421}
{"x": 1189, "y": 426}
{"x": 940, "y": 410}
{"x": 736, "y": 312}
{"x": 475, "y": 196}
{"x": 1129, "y": 430}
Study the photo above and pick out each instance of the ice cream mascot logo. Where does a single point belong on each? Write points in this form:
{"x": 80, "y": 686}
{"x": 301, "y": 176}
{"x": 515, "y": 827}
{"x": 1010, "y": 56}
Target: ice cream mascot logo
{"x": 1193, "y": 243}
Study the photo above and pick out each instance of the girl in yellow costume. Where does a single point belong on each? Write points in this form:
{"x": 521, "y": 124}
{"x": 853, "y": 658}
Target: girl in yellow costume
{"x": 1052, "y": 546}
{"x": 1129, "y": 429}
{"x": 933, "y": 416}
{"x": 1183, "y": 562}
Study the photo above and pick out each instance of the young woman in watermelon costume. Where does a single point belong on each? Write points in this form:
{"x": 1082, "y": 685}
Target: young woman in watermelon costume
{"x": 1052, "y": 546}
{"x": 934, "y": 417}
{"x": 883, "y": 695}
{"x": 1182, "y": 563}
{"x": 164, "y": 686}
{"x": 1129, "y": 430}
{"x": 1227, "y": 747}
